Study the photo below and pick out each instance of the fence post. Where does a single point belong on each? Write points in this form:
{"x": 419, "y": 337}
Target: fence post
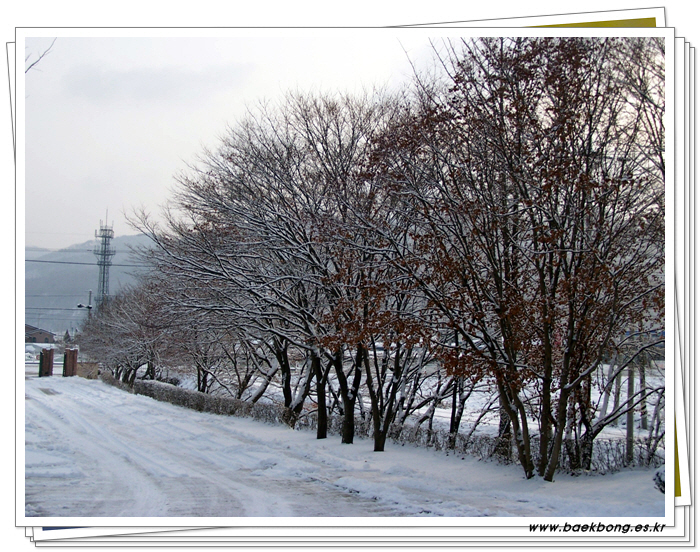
{"x": 46, "y": 363}
{"x": 70, "y": 362}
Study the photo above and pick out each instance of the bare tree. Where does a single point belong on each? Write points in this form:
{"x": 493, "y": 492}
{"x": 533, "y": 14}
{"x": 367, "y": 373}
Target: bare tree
{"x": 501, "y": 231}
{"x": 32, "y": 60}
{"x": 539, "y": 241}
{"x": 250, "y": 236}
{"x": 128, "y": 333}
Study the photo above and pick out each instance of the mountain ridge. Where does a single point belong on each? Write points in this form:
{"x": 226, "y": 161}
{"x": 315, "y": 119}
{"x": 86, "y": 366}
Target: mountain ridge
{"x": 56, "y": 281}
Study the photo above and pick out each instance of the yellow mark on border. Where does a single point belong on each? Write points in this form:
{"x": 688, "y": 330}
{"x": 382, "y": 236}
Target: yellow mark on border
{"x": 624, "y": 23}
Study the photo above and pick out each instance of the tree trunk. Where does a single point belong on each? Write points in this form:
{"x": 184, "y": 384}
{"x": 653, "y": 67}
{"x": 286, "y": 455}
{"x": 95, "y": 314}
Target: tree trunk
{"x": 629, "y": 452}
{"x": 618, "y": 391}
{"x": 286, "y": 370}
{"x": 321, "y": 408}
{"x": 643, "y": 388}
{"x": 587, "y": 450}
{"x": 379, "y": 440}
{"x": 608, "y": 388}
{"x": 376, "y": 408}
{"x": 299, "y": 398}
{"x": 553, "y": 459}
{"x": 546, "y": 408}
{"x": 571, "y": 444}
{"x": 150, "y": 370}
{"x": 348, "y": 394}
{"x": 505, "y": 435}
{"x": 515, "y": 411}
{"x": 458, "y": 400}
{"x": 202, "y": 380}
{"x": 563, "y": 404}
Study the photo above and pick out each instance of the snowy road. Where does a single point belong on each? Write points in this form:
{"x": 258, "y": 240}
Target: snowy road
{"x": 93, "y": 450}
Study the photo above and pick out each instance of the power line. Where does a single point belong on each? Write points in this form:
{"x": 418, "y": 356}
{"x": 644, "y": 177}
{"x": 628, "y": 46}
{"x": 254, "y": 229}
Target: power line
{"x": 51, "y": 308}
{"x": 55, "y": 233}
{"x": 57, "y": 262}
{"x": 38, "y": 316}
{"x": 52, "y": 251}
{"x": 77, "y": 263}
{"x": 41, "y": 321}
{"x": 54, "y": 295}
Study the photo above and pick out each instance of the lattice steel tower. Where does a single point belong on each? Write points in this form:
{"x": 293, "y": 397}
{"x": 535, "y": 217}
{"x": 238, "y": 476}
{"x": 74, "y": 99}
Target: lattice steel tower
{"x": 104, "y": 253}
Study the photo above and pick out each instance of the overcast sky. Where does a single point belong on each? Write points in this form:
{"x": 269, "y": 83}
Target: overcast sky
{"x": 110, "y": 121}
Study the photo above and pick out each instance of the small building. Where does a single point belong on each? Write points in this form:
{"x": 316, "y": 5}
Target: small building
{"x": 37, "y": 335}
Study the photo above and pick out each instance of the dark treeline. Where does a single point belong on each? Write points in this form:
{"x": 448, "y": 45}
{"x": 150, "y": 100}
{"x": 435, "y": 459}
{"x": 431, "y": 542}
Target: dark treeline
{"x": 495, "y": 229}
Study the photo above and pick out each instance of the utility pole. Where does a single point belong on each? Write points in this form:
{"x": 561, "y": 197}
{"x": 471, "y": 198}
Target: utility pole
{"x": 104, "y": 252}
{"x": 89, "y": 305}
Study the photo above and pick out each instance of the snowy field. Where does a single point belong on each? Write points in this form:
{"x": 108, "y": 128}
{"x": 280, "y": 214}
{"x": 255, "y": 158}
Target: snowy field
{"x": 95, "y": 451}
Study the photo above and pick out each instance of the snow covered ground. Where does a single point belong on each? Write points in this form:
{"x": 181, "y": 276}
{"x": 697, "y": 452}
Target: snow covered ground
{"x": 92, "y": 450}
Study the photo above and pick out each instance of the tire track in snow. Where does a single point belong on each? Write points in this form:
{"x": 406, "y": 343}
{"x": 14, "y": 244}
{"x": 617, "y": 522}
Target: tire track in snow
{"x": 138, "y": 457}
{"x": 119, "y": 475}
{"x": 105, "y": 483}
{"x": 94, "y": 450}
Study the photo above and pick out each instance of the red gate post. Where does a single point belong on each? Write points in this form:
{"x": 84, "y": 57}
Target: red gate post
{"x": 74, "y": 362}
{"x": 70, "y": 362}
{"x": 46, "y": 363}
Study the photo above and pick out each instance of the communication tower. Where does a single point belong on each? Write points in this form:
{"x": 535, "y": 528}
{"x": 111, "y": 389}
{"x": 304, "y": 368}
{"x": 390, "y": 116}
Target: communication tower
{"x": 104, "y": 252}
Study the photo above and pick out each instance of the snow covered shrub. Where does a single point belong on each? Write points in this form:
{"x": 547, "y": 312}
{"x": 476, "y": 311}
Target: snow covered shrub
{"x": 170, "y": 380}
{"x": 107, "y": 377}
{"x": 203, "y": 402}
{"x": 660, "y": 479}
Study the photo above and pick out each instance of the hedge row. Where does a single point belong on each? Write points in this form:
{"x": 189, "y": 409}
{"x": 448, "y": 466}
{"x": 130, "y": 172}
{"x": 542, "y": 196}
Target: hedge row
{"x": 608, "y": 455}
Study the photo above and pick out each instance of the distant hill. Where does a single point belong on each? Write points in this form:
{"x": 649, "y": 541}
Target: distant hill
{"x": 59, "y": 286}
